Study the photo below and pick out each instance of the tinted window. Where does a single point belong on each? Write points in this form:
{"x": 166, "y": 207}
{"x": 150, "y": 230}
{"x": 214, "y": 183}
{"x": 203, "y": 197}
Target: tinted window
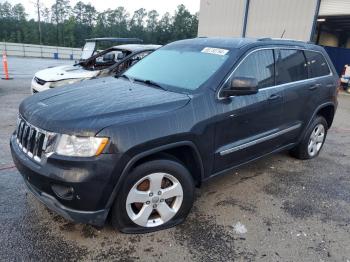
{"x": 291, "y": 66}
{"x": 317, "y": 64}
{"x": 259, "y": 65}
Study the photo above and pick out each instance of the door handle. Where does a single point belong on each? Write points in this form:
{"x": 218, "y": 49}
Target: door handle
{"x": 315, "y": 86}
{"x": 274, "y": 97}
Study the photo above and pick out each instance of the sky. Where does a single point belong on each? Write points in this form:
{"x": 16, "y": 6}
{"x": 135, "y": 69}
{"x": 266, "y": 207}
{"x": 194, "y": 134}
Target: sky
{"x": 161, "y": 6}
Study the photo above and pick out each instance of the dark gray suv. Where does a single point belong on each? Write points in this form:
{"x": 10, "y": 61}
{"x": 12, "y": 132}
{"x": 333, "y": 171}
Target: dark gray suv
{"x": 135, "y": 146}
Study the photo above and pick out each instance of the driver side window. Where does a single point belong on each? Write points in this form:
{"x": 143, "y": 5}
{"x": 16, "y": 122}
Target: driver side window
{"x": 259, "y": 65}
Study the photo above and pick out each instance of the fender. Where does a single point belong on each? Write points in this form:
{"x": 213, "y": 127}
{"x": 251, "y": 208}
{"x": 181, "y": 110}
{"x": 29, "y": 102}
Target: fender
{"x": 313, "y": 115}
{"x": 137, "y": 157}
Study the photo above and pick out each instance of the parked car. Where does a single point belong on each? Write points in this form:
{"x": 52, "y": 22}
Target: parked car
{"x": 95, "y": 45}
{"x": 136, "y": 146}
{"x": 345, "y": 77}
{"x": 111, "y": 61}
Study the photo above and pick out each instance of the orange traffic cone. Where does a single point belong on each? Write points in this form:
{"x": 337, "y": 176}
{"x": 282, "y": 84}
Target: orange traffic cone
{"x": 6, "y": 69}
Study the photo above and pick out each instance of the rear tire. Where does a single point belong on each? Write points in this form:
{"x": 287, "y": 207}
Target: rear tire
{"x": 313, "y": 141}
{"x": 155, "y": 195}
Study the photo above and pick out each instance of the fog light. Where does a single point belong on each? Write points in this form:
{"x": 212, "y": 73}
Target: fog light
{"x": 63, "y": 192}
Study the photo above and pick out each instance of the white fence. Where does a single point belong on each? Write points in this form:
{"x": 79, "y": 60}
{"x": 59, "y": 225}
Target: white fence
{"x": 26, "y": 50}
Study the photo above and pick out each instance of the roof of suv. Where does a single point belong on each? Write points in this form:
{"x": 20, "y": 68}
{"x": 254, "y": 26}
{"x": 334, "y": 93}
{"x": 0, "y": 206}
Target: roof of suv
{"x": 232, "y": 43}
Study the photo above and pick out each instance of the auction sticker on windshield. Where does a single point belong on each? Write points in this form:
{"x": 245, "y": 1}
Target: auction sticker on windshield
{"x": 215, "y": 51}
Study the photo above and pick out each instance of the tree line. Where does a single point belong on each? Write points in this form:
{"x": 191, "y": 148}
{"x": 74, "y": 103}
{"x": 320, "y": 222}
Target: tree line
{"x": 66, "y": 25}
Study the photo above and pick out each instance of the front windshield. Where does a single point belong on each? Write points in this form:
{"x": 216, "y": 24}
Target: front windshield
{"x": 179, "y": 68}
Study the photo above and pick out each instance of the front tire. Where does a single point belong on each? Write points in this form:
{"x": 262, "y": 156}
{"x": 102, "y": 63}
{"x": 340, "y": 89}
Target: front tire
{"x": 313, "y": 141}
{"x": 155, "y": 195}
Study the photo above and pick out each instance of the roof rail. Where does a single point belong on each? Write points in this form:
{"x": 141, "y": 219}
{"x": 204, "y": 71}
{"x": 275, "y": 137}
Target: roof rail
{"x": 280, "y": 39}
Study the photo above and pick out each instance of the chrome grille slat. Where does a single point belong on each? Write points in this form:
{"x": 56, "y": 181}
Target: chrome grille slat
{"x": 36, "y": 144}
{"x": 32, "y": 140}
{"x": 20, "y": 133}
{"x": 29, "y": 137}
{"x": 24, "y": 138}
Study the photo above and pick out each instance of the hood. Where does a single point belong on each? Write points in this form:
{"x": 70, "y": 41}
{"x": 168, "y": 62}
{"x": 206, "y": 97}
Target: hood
{"x": 64, "y": 72}
{"x": 88, "y": 107}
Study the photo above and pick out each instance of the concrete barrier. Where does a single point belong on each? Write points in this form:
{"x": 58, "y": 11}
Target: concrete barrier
{"x": 27, "y": 50}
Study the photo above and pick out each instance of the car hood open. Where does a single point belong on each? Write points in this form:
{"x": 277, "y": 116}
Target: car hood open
{"x": 88, "y": 107}
{"x": 64, "y": 72}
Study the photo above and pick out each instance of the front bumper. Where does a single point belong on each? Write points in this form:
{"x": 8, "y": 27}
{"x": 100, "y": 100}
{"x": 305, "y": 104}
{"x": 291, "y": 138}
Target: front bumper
{"x": 87, "y": 217}
{"x": 92, "y": 180}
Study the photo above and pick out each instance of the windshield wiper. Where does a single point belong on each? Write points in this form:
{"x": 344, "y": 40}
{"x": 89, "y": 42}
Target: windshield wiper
{"x": 124, "y": 76}
{"x": 151, "y": 83}
{"x": 147, "y": 82}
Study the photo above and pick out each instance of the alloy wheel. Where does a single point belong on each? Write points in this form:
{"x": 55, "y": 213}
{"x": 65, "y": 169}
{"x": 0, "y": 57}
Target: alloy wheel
{"x": 154, "y": 200}
{"x": 316, "y": 140}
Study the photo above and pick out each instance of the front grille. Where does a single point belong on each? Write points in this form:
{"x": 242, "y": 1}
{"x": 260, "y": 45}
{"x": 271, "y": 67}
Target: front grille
{"x": 40, "y": 81}
{"x": 34, "y": 91}
{"x": 32, "y": 140}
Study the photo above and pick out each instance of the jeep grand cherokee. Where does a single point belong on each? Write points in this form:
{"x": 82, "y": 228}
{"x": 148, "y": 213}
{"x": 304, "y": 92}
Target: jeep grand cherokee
{"x": 136, "y": 146}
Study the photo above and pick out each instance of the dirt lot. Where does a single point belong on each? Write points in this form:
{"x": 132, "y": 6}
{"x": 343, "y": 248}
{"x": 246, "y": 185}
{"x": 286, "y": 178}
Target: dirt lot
{"x": 276, "y": 209}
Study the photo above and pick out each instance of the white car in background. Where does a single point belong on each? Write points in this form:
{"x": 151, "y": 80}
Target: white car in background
{"x": 93, "y": 64}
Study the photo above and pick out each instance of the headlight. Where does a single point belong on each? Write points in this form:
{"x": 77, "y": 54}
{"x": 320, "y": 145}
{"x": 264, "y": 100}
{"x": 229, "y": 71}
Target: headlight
{"x": 65, "y": 82}
{"x": 80, "y": 146}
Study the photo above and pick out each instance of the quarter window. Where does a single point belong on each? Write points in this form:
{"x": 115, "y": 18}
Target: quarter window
{"x": 259, "y": 65}
{"x": 317, "y": 64}
{"x": 291, "y": 66}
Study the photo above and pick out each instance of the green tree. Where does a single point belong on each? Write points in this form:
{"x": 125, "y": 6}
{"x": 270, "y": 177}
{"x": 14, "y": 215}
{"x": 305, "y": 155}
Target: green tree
{"x": 5, "y": 10}
{"x": 164, "y": 29}
{"x": 60, "y": 11}
{"x": 66, "y": 26}
{"x": 184, "y": 23}
{"x": 136, "y": 24}
{"x": 151, "y": 25}
{"x": 85, "y": 14}
{"x": 45, "y": 14}
{"x": 137, "y": 19}
{"x": 18, "y": 12}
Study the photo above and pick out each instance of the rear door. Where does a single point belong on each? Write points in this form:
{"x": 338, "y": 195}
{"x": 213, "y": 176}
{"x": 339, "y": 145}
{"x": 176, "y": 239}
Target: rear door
{"x": 247, "y": 125}
{"x": 292, "y": 75}
{"x": 321, "y": 77}
{"x": 304, "y": 75}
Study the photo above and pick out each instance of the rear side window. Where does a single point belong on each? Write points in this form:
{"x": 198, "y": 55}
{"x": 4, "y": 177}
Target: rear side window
{"x": 259, "y": 65}
{"x": 291, "y": 66}
{"x": 317, "y": 64}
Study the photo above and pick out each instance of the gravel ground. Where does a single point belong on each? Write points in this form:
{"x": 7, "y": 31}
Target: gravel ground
{"x": 276, "y": 209}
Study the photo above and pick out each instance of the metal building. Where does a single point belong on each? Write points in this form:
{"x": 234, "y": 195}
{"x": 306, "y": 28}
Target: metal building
{"x": 326, "y": 22}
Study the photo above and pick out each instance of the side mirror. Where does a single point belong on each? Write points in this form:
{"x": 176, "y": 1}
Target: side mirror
{"x": 108, "y": 57}
{"x": 241, "y": 86}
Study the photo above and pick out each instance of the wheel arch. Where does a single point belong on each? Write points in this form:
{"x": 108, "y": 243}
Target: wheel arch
{"x": 328, "y": 113}
{"x": 323, "y": 110}
{"x": 157, "y": 153}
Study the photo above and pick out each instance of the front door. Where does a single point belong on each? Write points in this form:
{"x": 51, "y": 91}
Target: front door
{"x": 248, "y": 126}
